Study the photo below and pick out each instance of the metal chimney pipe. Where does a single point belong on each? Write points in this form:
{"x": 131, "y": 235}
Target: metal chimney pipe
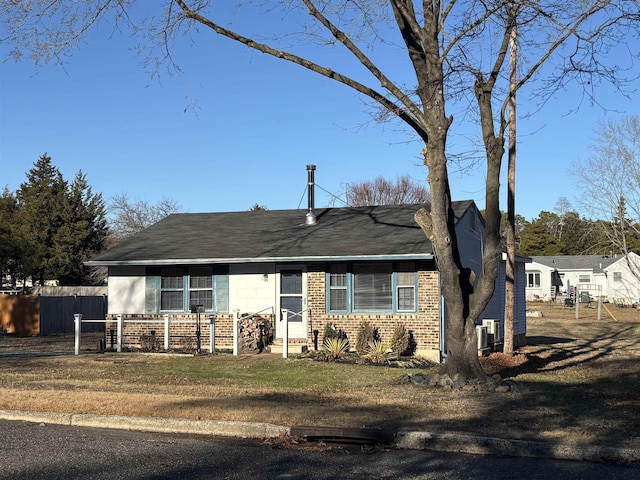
{"x": 311, "y": 216}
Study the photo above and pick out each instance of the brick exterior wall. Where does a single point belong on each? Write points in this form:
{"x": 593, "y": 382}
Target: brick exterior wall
{"x": 424, "y": 325}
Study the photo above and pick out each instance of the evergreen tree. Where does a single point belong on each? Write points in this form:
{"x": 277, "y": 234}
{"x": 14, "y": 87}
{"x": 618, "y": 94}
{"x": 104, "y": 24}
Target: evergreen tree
{"x": 82, "y": 233}
{"x": 537, "y": 240}
{"x": 579, "y": 235}
{"x": 9, "y": 248}
{"x": 57, "y": 225}
{"x": 39, "y": 216}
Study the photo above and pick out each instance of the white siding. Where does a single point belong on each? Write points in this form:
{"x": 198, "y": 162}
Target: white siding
{"x": 543, "y": 292}
{"x": 252, "y": 288}
{"x": 126, "y": 290}
{"x": 628, "y": 287}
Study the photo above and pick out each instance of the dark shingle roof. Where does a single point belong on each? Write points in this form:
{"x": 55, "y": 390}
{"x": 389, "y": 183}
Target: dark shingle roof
{"x": 381, "y": 231}
{"x": 576, "y": 262}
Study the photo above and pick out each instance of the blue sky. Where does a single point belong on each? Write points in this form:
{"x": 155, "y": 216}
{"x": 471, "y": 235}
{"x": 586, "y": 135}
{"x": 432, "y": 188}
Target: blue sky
{"x": 258, "y": 123}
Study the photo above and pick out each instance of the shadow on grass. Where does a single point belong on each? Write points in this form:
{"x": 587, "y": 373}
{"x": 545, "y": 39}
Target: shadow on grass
{"x": 581, "y": 391}
{"x": 544, "y": 340}
{"x": 548, "y": 354}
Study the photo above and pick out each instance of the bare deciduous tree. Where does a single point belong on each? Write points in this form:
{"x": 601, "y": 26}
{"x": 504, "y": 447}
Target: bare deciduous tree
{"x": 609, "y": 182}
{"x": 447, "y": 56}
{"x": 381, "y": 191}
{"x": 128, "y": 217}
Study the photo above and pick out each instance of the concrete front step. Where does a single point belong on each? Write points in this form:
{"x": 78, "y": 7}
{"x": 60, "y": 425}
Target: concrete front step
{"x": 293, "y": 348}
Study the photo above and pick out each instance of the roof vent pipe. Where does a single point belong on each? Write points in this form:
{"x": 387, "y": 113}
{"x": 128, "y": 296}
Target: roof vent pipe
{"x": 311, "y": 216}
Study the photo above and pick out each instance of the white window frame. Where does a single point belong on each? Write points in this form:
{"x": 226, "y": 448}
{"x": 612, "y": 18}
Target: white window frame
{"x": 537, "y": 279}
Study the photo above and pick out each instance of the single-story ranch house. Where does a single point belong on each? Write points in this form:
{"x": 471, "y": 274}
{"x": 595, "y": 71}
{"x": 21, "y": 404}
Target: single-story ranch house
{"x": 607, "y": 276}
{"x": 341, "y": 266}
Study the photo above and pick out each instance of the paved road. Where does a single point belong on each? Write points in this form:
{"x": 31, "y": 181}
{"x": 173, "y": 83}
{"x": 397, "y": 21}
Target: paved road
{"x": 36, "y": 451}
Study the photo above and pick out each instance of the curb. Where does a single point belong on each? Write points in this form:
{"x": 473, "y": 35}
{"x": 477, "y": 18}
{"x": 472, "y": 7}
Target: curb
{"x": 445, "y": 442}
{"x": 152, "y": 424}
{"x": 438, "y": 442}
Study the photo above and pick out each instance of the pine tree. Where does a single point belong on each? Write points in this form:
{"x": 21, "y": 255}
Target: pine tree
{"x": 537, "y": 240}
{"x": 58, "y": 226}
{"x": 39, "y": 216}
{"x": 9, "y": 248}
{"x": 82, "y": 233}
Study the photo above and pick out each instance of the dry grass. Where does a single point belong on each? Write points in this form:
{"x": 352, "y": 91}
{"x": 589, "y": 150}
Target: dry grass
{"x": 583, "y": 377}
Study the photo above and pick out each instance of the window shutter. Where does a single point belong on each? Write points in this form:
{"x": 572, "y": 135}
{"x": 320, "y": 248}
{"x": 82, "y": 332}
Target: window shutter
{"x": 151, "y": 293}
{"x": 221, "y": 292}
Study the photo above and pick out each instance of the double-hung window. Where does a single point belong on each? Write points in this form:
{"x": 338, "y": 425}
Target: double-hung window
{"x": 179, "y": 289}
{"x": 371, "y": 287}
{"x": 172, "y": 289}
{"x": 338, "y": 299}
{"x": 617, "y": 276}
{"x": 406, "y": 291}
{"x": 201, "y": 287}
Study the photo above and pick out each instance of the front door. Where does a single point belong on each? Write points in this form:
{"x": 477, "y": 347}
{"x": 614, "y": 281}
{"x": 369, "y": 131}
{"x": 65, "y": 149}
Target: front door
{"x": 293, "y": 296}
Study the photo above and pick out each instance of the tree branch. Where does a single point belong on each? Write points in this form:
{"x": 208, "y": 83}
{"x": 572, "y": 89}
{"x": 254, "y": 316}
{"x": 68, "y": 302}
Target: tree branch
{"x": 406, "y": 115}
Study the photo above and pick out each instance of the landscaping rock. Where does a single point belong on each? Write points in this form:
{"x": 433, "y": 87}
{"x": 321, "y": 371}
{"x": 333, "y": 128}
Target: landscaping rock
{"x": 445, "y": 381}
{"x": 460, "y": 382}
{"x": 402, "y": 379}
{"x": 516, "y": 388}
{"x": 419, "y": 379}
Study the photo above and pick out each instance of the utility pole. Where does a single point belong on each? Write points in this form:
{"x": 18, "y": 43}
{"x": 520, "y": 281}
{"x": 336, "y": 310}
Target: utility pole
{"x": 509, "y": 306}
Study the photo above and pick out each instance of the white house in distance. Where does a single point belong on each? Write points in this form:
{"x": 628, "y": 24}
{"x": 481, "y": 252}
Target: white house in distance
{"x": 607, "y": 276}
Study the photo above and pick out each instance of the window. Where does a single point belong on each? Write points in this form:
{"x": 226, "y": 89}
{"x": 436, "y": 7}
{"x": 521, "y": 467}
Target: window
{"x": 584, "y": 279}
{"x": 201, "y": 287}
{"x": 617, "y": 276}
{"x": 180, "y": 288}
{"x": 338, "y": 288}
{"x": 533, "y": 279}
{"x": 171, "y": 289}
{"x": 364, "y": 287}
{"x": 406, "y": 292}
{"x": 372, "y": 287}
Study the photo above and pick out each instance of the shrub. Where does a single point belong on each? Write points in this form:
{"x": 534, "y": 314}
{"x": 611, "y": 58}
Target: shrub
{"x": 400, "y": 339}
{"x": 330, "y": 331}
{"x": 149, "y": 343}
{"x": 336, "y": 348}
{"x": 378, "y": 352}
{"x": 366, "y": 335}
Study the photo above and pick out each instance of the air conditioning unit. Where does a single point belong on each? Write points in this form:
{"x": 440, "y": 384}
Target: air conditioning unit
{"x": 494, "y": 330}
{"x": 481, "y": 333}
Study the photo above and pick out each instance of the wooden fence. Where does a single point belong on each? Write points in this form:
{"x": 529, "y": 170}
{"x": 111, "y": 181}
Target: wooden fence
{"x": 36, "y": 315}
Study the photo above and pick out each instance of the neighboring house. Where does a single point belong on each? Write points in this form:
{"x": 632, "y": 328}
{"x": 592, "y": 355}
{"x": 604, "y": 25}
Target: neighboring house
{"x": 334, "y": 265}
{"x": 607, "y": 276}
{"x": 622, "y": 280}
